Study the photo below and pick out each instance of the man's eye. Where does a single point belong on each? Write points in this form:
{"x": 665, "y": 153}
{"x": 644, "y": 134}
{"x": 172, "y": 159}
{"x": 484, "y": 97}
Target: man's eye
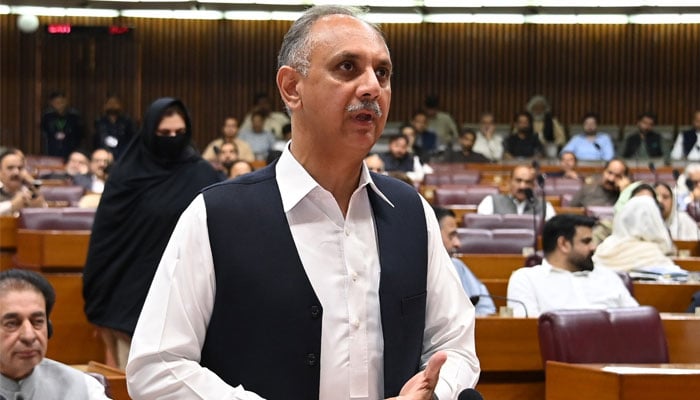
{"x": 383, "y": 73}
{"x": 346, "y": 66}
{"x": 10, "y": 325}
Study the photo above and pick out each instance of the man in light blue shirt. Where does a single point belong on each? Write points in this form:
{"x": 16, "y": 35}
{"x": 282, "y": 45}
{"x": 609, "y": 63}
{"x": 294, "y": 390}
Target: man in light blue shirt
{"x": 471, "y": 284}
{"x": 591, "y": 145}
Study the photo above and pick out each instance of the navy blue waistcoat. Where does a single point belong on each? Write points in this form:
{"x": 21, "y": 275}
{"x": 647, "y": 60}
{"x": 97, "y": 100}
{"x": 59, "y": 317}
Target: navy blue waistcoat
{"x": 689, "y": 140}
{"x": 265, "y": 328}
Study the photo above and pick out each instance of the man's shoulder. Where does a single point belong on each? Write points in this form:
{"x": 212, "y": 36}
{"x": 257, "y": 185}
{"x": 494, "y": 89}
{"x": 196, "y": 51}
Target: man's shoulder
{"x": 262, "y": 175}
{"x": 53, "y": 368}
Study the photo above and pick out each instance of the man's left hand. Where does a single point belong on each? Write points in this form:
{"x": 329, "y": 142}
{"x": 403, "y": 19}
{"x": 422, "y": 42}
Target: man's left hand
{"x": 422, "y": 385}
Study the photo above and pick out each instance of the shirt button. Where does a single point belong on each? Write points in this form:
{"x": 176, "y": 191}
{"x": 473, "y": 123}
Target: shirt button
{"x": 347, "y": 232}
{"x": 311, "y": 360}
{"x": 354, "y": 276}
{"x": 355, "y": 323}
{"x": 316, "y": 312}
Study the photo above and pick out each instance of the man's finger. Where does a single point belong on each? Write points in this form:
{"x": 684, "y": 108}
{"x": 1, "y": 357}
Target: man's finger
{"x": 432, "y": 370}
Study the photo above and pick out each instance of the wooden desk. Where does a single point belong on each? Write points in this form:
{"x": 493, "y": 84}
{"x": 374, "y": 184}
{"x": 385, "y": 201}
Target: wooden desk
{"x": 52, "y": 251}
{"x": 8, "y": 241}
{"x": 116, "y": 378}
{"x": 692, "y": 246}
{"x": 599, "y": 381}
{"x": 486, "y": 266}
{"x": 666, "y": 297}
{"x": 74, "y": 340}
{"x": 687, "y": 263}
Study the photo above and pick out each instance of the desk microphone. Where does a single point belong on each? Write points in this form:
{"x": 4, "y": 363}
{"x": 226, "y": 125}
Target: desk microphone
{"x": 469, "y": 394}
{"x": 600, "y": 150}
{"x": 652, "y": 168}
{"x": 475, "y": 300}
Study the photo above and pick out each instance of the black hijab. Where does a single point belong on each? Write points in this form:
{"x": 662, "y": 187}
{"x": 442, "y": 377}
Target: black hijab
{"x": 147, "y": 190}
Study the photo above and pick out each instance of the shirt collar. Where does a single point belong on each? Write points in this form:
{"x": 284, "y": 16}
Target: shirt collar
{"x": 553, "y": 269}
{"x": 295, "y": 183}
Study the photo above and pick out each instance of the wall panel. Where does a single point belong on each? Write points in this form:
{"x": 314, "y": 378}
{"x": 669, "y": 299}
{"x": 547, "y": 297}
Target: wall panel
{"x": 217, "y": 66}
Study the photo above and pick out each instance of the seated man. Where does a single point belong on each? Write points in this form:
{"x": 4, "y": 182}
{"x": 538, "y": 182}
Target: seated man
{"x": 26, "y": 299}
{"x": 591, "y": 145}
{"x": 606, "y": 190}
{"x": 15, "y": 190}
{"x": 467, "y": 137}
{"x": 100, "y": 160}
{"x": 76, "y": 172}
{"x": 687, "y": 146}
{"x": 375, "y": 163}
{"x": 226, "y": 157}
{"x": 568, "y": 163}
{"x": 567, "y": 278}
{"x": 398, "y": 158}
{"x": 471, "y": 284}
{"x": 643, "y": 142}
{"x": 520, "y": 200}
{"x": 487, "y": 141}
{"x": 523, "y": 142}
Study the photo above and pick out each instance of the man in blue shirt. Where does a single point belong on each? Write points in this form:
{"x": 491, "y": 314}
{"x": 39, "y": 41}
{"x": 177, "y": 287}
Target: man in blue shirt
{"x": 591, "y": 145}
{"x": 471, "y": 284}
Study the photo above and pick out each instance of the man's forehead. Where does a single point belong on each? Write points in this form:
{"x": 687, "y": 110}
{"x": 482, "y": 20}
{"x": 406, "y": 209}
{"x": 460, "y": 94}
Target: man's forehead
{"x": 12, "y": 300}
{"x": 332, "y": 30}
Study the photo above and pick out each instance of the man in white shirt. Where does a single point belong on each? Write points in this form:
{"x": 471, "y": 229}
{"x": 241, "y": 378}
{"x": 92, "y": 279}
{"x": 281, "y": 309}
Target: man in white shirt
{"x": 26, "y": 300}
{"x": 567, "y": 278}
{"x": 295, "y": 309}
{"x": 16, "y": 192}
{"x": 488, "y": 142}
{"x": 520, "y": 200}
{"x": 687, "y": 146}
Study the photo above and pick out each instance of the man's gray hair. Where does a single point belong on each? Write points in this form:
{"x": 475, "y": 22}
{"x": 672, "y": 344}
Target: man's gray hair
{"x": 297, "y": 44}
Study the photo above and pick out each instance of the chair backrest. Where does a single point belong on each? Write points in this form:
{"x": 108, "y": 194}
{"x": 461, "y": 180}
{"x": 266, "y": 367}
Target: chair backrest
{"x": 600, "y": 212}
{"x": 62, "y": 219}
{"x": 445, "y": 196}
{"x": 512, "y": 241}
{"x": 616, "y": 335}
{"x": 467, "y": 177}
{"x": 475, "y": 241}
{"x": 482, "y": 221}
{"x": 68, "y": 194}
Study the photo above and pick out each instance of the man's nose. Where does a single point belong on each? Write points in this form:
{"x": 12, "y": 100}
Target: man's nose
{"x": 369, "y": 84}
{"x": 27, "y": 332}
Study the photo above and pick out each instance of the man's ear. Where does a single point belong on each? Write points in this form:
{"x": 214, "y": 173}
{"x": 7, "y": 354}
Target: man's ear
{"x": 563, "y": 245}
{"x": 287, "y": 81}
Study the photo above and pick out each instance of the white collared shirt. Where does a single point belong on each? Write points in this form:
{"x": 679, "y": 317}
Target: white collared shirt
{"x": 544, "y": 287}
{"x": 340, "y": 257}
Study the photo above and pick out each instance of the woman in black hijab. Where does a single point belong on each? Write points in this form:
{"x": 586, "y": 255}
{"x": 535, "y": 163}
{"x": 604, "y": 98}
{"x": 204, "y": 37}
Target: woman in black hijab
{"x": 154, "y": 181}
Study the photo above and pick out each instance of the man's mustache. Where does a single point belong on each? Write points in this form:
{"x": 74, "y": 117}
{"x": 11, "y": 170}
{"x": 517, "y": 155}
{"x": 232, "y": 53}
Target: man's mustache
{"x": 369, "y": 105}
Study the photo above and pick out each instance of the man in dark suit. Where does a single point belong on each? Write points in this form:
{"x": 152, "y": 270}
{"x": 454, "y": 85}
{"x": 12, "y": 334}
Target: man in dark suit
{"x": 643, "y": 142}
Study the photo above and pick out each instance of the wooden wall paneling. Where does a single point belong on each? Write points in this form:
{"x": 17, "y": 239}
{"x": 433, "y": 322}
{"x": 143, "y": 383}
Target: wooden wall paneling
{"x": 217, "y": 66}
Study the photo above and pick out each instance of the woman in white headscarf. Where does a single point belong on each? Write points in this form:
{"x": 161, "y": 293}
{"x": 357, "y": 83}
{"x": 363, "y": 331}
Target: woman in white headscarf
{"x": 679, "y": 223}
{"x": 639, "y": 240}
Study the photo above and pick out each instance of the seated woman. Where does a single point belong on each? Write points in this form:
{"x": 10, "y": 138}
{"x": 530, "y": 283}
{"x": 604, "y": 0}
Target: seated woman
{"x": 679, "y": 223}
{"x": 639, "y": 240}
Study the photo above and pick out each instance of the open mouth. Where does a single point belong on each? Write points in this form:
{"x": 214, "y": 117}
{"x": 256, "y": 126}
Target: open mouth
{"x": 363, "y": 117}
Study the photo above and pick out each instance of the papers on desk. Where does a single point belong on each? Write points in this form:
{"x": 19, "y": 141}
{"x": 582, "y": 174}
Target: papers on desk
{"x": 659, "y": 274}
{"x": 651, "y": 370}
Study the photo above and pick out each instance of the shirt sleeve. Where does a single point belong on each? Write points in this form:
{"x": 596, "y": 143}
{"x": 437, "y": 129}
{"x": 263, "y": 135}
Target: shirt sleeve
{"x": 520, "y": 288}
{"x": 607, "y": 148}
{"x": 95, "y": 390}
{"x": 677, "y": 152}
{"x": 166, "y": 347}
{"x": 486, "y": 206}
{"x": 449, "y": 319}
{"x": 6, "y": 207}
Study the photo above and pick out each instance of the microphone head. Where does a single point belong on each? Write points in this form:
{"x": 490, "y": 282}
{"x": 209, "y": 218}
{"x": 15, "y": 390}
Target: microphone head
{"x": 529, "y": 194}
{"x": 540, "y": 180}
{"x": 652, "y": 167}
{"x": 474, "y": 299}
{"x": 536, "y": 165}
{"x": 217, "y": 150}
{"x": 469, "y": 394}
{"x": 597, "y": 146}
{"x": 676, "y": 174}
